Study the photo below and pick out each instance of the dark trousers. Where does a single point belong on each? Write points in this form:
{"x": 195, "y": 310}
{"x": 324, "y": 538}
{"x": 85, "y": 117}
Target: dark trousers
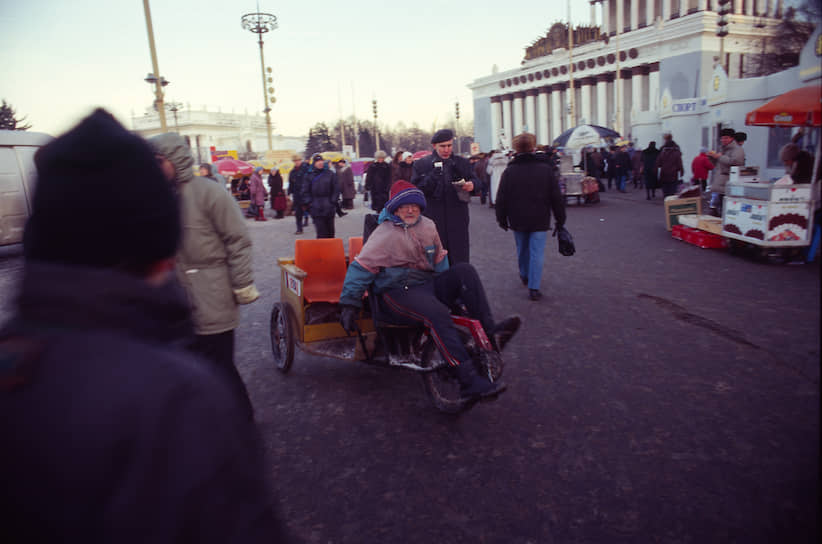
{"x": 218, "y": 349}
{"x": 324, "y": 225}
{"x": 298, "y": 215}
{"x": 431, "y": 304}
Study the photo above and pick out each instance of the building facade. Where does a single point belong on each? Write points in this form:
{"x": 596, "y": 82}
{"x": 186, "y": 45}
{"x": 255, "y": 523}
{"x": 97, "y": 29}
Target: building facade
{"x": 205, "y": 129}
{"x": 651, "y": 65}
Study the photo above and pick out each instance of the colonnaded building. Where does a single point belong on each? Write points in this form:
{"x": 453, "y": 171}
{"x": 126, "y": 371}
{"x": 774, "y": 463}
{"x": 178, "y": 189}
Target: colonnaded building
{"x": 651, "y": 66}
{"x": 204, "y": 129}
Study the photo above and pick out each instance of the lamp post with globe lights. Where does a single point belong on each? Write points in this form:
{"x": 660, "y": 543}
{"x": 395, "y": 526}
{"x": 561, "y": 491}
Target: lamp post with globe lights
{"x": 260, "y": 23}
{"x": 158, "y": 81}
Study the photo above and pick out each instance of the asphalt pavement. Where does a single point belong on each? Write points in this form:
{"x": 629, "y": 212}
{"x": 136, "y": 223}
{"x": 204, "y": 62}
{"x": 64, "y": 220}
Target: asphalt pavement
{"x": 659, "y": 392}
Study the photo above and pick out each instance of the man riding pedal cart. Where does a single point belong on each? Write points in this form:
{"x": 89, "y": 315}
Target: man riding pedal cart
{"x": 406, "y": 263}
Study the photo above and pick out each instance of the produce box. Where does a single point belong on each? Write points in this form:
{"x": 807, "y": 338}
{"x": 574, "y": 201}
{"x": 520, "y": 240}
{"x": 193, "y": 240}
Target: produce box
{"x": 689, "y": 220}
{"x": 699, "y": 238}
{"x": 709, "y": 223}
{"x": 675, "y": 207}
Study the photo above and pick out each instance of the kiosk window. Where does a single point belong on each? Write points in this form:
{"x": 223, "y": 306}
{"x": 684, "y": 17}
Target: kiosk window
{"x": 777, "y": 137}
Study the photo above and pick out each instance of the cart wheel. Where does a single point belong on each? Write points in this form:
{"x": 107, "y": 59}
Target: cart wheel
{"x": 441, "y": 385}
{"x": 282, "y": 336}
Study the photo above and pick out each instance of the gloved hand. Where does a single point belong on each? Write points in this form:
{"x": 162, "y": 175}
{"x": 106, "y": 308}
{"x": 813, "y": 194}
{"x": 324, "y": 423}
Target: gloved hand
{"x": 246, "y": 295}
{"x": 348, "y": 318}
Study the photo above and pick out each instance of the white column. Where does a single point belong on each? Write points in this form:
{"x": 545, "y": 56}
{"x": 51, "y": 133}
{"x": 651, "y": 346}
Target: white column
{"x": 749, "y": 7}
{"x": 619, "y": 105}
{"x": 636, "y": 90}
{"x": 602, "y": 102}
{"x": 585, "y": 98}
{"x": 531, "y": 110}
{"x": 556, "y": 113}
{"x": 517, "y": 113}
{"x": 683, "y": 7}
{"x": 506, "y": 119}
{"x": 543, "y": 116}
{"x": 620, "y": 17}
{"x": 606, "y": 28}
{"x": 650, "y": 14}
{"x": 738, "y": 6}
{"x": 702, "y": 5}
{"x": 566, "y": 101}
{"x": 653, "y": 91}
{"x": 666, "y": 10}
{"x": 496, "y": 117}
{"x": 593, "y": 14}
{"x": 634, "y": 14}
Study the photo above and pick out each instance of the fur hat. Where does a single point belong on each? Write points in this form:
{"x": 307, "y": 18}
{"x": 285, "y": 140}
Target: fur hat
{"x": 402, "y": 192}
{"x": 316, "y": 157}
{"x": 406, "y": 155}
{"x": 727, "y": 132}
{"x": 442, "y": 135}
{"x": 101, "y": 200}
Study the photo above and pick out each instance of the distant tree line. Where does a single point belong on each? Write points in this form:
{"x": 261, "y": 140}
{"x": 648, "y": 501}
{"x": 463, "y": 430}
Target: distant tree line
{"x": 328, "y": 137}
{"x": 781, "y": 51}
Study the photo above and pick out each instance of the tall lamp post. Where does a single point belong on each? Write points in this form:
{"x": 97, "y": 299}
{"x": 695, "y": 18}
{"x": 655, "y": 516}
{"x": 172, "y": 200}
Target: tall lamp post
{"x": 154, "y": 77}
{"x": 457, "y": 112}
{"x": 259, "y": 24}
{"x": 174, "y": 107}
{"x": 376, "y": 130}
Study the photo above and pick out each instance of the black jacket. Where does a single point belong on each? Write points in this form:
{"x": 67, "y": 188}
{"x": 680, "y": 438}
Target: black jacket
{"x": 320, "y": 192}
{"x": 114, "y": 433}
{"x": 528, "y": 192}
{"x": 295, "y": 182}
{"x": 443, "y": 205}
{"x": 378, "y": 183}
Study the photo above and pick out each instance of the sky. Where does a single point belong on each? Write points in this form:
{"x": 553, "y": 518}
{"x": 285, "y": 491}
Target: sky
{"x": 60, "y": 59}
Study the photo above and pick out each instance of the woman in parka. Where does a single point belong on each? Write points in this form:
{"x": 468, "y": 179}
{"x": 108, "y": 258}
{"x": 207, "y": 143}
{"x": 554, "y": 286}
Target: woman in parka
{"x": 649, "y": 177}
{"x": 256, "y": 208}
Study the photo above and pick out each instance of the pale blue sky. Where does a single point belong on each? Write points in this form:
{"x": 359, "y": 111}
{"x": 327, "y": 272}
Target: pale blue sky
{"x": 60, "y": 59}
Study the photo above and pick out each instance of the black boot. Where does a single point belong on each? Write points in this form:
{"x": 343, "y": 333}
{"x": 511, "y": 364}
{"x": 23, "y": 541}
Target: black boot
{"x": 503, "y": 331}
{"x": 475, "y": 387}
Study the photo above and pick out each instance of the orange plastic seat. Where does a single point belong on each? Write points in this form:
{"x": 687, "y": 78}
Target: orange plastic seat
{"x": 323, "y": 260}
{"x": 354, "y": 248}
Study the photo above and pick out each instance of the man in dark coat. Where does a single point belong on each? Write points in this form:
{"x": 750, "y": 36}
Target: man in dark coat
{"x": 649, "y": 175}
{"x": 295, "y": 187}
{"x": 447, "y": 181}
{"x": 345, "y": 177}
{"x": 670, "y": 166}
{"x": 528, "y": 193}
{"x": 320, "y": 196}
{"x": 378, "y": 181}
{"x": 112, "y": 431}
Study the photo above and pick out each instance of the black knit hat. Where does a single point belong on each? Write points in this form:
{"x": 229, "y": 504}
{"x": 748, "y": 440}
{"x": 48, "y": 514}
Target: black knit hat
{"x": 727, "y": 132}
{"x": 101, "y": 200}
{"x": 442, "y": 135}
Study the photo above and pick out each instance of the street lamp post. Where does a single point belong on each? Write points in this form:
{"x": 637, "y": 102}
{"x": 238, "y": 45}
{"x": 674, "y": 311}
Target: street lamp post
{"x": 376, "y": 130}
{"x": 174, "y": 107}
{"x": 154, "y": 77}
{"x": 457, "y": 112}
{"x": 260, "y": 23}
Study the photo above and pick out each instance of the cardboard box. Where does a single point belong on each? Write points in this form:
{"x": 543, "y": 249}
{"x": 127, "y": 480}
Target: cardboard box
{"x": 689, "y": 220}
{"x": 674, "y": 207}
{"x": 709, "y": 223}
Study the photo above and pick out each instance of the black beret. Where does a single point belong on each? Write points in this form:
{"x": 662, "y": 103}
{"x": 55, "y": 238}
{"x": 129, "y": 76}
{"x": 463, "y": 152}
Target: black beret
{"x": 101, "y": 200}
{"x": 442, "y": 135}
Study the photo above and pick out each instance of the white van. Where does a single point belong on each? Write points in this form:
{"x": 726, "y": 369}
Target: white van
{"x": 17, "y": 178}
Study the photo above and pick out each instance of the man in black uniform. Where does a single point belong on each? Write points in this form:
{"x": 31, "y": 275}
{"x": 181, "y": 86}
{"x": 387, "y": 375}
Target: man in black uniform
{"x": 447, "y": 181}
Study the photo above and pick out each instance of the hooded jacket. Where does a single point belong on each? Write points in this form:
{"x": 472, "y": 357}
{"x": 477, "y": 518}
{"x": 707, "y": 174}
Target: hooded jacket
{"x": 215, "y": 256}
{"x": 320, "y": 191}
{"x": 395, "y": 255}
{"x": 669, "y": 162}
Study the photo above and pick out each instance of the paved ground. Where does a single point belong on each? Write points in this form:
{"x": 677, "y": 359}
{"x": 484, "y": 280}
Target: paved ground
{"x": 658, "y": 393}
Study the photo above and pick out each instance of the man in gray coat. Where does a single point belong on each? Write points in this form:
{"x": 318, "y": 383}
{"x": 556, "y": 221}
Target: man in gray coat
{"x": 214, "y": 261}
{"x": 731, "y": 155}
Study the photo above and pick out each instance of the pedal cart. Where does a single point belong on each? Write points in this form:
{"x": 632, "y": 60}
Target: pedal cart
{"x": 307, "y": 317}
